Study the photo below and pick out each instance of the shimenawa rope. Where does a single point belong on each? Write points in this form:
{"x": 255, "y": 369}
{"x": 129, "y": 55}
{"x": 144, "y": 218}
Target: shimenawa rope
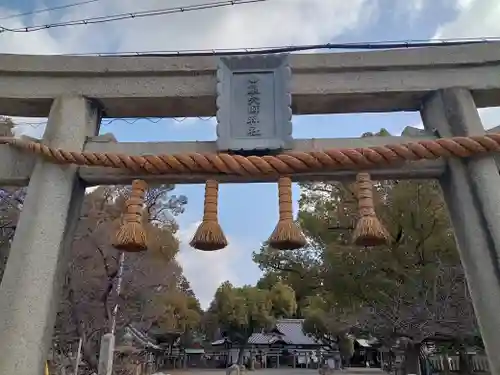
{"x": 287, "y": 235}
{"x": 283, "y": 164}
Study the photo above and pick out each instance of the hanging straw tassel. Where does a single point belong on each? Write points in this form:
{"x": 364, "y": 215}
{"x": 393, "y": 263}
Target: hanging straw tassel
{"x": 131, "y": 237}
{"x": 287, "y": 235}
{"x": 369, "y": 230}
{"x": 209, "y": 235}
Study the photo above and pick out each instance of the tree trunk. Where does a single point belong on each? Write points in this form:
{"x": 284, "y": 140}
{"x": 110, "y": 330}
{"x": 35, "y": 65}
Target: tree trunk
{"x": 464, "y": 362}
{"x": 412, "y": 359}
{"x": 89, "y": 355}
{"x": 4, "y": 256}
{"x": 347, "y": 361}
{"x": 241, "y": 353}
{"x": 346, "y": 348}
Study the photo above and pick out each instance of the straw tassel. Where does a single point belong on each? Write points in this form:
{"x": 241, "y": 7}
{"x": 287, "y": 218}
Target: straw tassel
{"x": 369, "y": 231}
{"x": 131, "y": 236}
{"x": 209, "y": 235}
{"x": 287, "y": 235}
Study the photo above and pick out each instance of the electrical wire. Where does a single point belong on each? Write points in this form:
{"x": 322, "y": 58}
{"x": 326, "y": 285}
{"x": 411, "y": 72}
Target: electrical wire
{"x": 129, "y": 15}
{"x": 45, "y": 10}
{"x": 109, "y": 121}
{"x": 381, "y": 45}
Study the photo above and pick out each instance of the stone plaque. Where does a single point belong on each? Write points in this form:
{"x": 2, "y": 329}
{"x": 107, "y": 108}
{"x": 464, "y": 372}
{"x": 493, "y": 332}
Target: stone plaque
{"x": 254, "y": 103}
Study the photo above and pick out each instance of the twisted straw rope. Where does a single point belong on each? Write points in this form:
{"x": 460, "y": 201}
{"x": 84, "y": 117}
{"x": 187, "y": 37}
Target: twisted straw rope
{"x": 282, "y": 164}
{"x": 365, "y": 195}
{"x": 285, "y": 198}
{"x": 133, "y": 205}
{"x": 210, "y": 205}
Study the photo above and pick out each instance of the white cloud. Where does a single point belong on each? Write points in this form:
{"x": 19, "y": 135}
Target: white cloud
{"x": 476, "y": 19}
{"x": 207, "y": 270}
{"x": 249, "y": 25}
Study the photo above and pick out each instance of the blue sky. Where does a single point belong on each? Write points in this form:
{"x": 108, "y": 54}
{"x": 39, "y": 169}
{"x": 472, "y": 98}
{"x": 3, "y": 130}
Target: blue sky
{"x": 248, "y": 213}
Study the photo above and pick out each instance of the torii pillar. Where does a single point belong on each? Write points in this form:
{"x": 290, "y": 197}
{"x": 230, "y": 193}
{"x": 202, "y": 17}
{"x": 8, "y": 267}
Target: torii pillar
{"x": 471, "y": 188}
{"x": 31, "y": 285}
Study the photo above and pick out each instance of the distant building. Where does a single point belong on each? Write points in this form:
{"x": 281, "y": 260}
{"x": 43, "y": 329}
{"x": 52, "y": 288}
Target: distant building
{"x": 365, "y": 352}
{"x": 286, "y": 344}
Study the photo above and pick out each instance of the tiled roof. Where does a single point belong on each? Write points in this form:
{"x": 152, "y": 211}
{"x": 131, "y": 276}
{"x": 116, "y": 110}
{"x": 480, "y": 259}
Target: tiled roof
{"x": 292, "y": 330}
{"x": 266, "y": 339}
{"x": 288, "y": 330}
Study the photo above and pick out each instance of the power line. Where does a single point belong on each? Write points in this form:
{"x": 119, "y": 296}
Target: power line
{"x": 129, "y": 15}
{"x": 45, "y": 10}
{"x": 109, "y": 121}
{"x": 298, "y": 48}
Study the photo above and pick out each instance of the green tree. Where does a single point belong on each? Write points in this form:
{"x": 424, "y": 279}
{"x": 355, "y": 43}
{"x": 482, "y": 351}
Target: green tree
{"x": 178, "y": 312}
{"x": 239, "y": 312}
{"x": 332, "y": 326}
{"x": 414, "y": 288}
{"x": 283, "y": 303}
{"x": 295, "y": 268}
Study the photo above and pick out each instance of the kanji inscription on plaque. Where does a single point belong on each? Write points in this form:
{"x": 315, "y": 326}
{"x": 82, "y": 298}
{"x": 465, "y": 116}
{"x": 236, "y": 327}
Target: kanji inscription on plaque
{"x": 253, "y": 100}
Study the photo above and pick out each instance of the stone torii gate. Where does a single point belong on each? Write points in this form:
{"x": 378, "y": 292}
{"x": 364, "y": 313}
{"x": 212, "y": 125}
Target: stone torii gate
{"x": 445, "y": 84}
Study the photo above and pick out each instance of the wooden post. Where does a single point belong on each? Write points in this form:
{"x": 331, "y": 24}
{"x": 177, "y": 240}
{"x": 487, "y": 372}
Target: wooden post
{"x": 471, "y": 189}
{"x": 78, "y": 355}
